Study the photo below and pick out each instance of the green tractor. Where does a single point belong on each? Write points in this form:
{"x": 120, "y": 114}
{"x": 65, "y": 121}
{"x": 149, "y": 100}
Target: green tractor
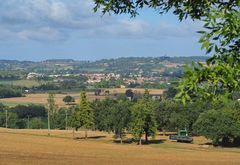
{"x": 182, "y": 136}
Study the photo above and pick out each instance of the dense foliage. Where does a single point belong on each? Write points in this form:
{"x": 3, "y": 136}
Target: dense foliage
{"x": 143, "y": 118}
{"x": 32, "y": 110}
{"x": 7, "y": 91}
{"x": 121, "y": 117}
{"x": 222, "y": 126}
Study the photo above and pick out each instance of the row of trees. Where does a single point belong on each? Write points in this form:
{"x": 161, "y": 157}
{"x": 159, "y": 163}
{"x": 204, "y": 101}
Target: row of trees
{"x": 7, "y": 91}
{"x": 119, "y": 116}
{"x": 218, "y": 120}
{"x": 23, "y": 116}
{"x": 146, "y": 116}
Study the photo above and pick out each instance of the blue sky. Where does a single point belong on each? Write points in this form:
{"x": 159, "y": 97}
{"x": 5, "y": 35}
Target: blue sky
{"x": 46, "y": 29}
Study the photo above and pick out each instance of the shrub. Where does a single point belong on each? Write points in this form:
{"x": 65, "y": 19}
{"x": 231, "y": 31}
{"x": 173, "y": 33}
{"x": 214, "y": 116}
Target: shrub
{"x": 68, "y": 99}
{"x": 36, "y": 123}
{"x": 21, "y": 124}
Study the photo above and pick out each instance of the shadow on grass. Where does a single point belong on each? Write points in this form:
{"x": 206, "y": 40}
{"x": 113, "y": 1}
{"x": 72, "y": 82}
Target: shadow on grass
{"x": 207, "y": 143}
{"x": 125, "y": 141}
{"x": 131, "y": 141}
{"x": 155, "y": 141}
{"x": 91, "y": 137}
{"x": 228, "y": 145}
{"x": 184, "y": 142}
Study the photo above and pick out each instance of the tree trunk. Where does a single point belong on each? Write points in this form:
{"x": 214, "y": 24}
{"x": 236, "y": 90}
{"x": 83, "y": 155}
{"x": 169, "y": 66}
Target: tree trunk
{"x": 164, "y": 132}
{"x": 146, "y": 137}
{"x": 86, "y": 136}
{"x": 140, "y": 141}
{"x": 49, "y": 122}
{"x": 121, "y": 138}
{"x": 73, "y": 133}
{"x": 236, "y": 142}
{"x": 225, "y": 141}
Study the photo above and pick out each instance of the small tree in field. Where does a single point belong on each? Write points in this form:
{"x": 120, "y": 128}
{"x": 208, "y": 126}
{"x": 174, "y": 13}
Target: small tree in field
{"x": 68, "y": 100}
{"x": 83, "y": 116}
{"x": 129, "y": 93}
{"x": 143, "y": 118}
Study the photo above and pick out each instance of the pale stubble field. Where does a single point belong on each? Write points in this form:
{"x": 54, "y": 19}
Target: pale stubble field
{"x": 41, "y": 98}
{"x": 34, "y": 147}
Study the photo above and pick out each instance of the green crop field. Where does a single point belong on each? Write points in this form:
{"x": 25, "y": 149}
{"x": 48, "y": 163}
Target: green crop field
{"x": 13, "y": 104}
{"x": 26, "y": 83}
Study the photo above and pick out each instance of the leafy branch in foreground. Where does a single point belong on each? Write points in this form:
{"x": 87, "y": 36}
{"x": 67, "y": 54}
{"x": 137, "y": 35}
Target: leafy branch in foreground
{"x": 183, "y": 9}
{"x": 209, "y": 82}
{"x": 221, "y": 74}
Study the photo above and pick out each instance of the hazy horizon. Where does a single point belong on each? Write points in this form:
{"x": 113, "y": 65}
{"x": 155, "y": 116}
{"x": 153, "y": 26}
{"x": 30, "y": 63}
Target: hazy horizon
{"x": 204, "y": 56}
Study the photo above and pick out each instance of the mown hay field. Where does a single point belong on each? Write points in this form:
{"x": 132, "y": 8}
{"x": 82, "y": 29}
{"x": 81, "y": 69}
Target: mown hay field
{"x": 41, "y": 98}
{"x": 136, "y": 90}
{"x": 34, "y": 147}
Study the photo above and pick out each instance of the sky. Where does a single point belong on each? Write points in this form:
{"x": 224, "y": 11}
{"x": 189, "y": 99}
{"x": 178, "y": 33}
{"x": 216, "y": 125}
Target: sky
{"x": 69, "y": 29}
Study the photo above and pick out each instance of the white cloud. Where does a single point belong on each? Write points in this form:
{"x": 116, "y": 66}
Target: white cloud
{"x": 123, "y": 28}
{"x": 44, "y": 33}
{"x": 57, "y": 19}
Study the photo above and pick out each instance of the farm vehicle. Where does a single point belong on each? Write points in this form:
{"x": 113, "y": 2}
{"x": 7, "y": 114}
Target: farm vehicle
{"x": 182, "y": 136}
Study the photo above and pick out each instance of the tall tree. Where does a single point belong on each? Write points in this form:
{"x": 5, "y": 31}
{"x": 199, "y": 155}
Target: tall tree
{"x": 84, "y": 114}
{"x": 103, "y": 113}
{"x": 51, "y": 109}
{"x": 121, "y": 116}
{"x": 143, "y": 118}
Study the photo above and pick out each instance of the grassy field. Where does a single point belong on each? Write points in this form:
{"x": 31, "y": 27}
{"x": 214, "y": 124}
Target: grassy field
{"x": 34, "y": 147}
{"x": 25, "y": 83}
{"x": 13, "y": 104}
{"x": 41, "y": 98}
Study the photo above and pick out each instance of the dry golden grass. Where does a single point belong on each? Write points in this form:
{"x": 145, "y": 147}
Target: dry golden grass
{"x": 137, "y": 90}
{"x": 41, "y": 98}
{"x": 29, "y": 147}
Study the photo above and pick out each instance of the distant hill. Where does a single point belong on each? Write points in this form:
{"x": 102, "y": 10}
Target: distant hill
{"x": 118, "y": 65}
